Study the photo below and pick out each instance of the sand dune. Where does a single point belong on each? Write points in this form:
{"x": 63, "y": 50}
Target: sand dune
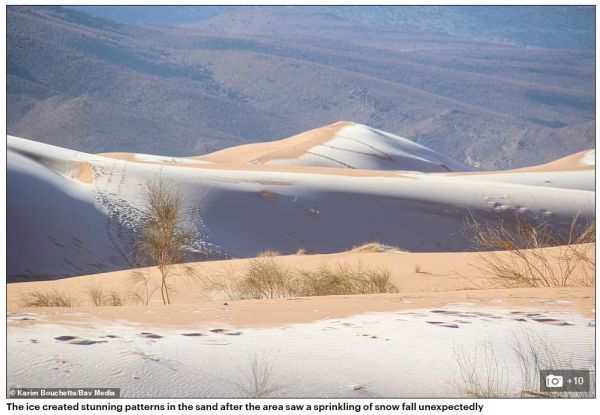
{"x": 584, "y": 160}
{"x": 55, "y": 225}
{"x": 576, "y": 171}
{"x": 425, "y": 279}
{"x": 71, "y": 213}
{"x": 343, "y": 144}
{"x": 77, "y": 215}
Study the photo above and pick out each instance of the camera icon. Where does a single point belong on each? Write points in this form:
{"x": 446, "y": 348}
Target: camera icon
{"x": 553, "y": 381}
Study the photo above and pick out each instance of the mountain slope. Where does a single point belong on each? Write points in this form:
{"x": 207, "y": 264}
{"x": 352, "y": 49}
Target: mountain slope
{"x": 95, "y": 85}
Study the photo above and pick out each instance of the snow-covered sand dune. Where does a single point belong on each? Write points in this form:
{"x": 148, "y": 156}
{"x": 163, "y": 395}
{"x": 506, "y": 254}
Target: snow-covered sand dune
{"x": 343, "y": 144}
{"x": 71, "y": 213}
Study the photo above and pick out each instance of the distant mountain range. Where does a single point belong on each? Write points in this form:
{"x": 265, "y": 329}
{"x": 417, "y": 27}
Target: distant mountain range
{"x": 488, "y": 86}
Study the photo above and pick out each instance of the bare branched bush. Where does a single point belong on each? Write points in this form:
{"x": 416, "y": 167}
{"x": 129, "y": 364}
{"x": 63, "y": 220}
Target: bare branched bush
{"x": 95, "y": 293}
{"x": 164, "y": 238}
{"x": 99, "y": 298}
{"x": 115, "y": 299}
{"x": 52, "y": 298}
{"x": 267, "y": 278}
{"x": 526, "y": 261}
{"x": 142, "y": 286}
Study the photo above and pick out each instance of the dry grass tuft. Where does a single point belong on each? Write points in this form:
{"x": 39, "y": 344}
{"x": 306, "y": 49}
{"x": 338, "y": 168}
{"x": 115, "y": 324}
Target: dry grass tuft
{"x": 95, "y": 293}
{"x": 267, "y": 278}
{"x": 344, "y": 279}
{"x": 526, "y": 261}
{"x": 115, "y": 299}
{"x": 259, "y": 377}
{"x": 482, "y": 375}
{"x": 51, "y": 298}
{"x": 374, "y": 246}
{"x": 142, "y": 286}
{"x": 99, "y": 298}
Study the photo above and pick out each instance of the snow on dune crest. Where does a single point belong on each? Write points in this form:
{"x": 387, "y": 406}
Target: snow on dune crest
{"x": 361, "y": 146}
{"x": 344, "y": 145}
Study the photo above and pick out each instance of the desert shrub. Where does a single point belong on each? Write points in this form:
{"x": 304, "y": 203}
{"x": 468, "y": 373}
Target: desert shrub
{"x": 52, "y": 298}
{"x": 95, "y": 293}
{"x": 100, "y": 298}
{"x": 142, "y": 286}
{"x": 163, "y": 236}
{"x": 343, "y": 279}
{"x": 267, "y": 278}
{"x": 527, "y": 261}
{"x": 115, "y": 299}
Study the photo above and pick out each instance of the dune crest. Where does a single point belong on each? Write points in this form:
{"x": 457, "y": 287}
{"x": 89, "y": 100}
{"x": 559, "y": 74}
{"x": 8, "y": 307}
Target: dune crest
{"x": 343, "y": 144}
